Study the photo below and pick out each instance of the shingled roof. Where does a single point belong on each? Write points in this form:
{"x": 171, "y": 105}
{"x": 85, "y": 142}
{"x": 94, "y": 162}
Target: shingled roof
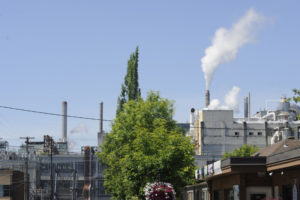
{"x": 285, "y": 145}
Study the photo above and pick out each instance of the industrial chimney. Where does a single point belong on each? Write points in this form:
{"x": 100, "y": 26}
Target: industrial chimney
{"x": 249, "y": 110}
{"x": 192, "y": 120}
{"x": 207, "y": 98}
{"x": 64, "y": 121}
{"x": 246, "y": 107}
{"x": 100, "y": 133}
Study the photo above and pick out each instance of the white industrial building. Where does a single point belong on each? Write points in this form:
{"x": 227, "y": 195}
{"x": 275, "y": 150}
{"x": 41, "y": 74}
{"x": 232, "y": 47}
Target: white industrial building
{"x": 54, "y": 172}
{"x": 215, "y": 132}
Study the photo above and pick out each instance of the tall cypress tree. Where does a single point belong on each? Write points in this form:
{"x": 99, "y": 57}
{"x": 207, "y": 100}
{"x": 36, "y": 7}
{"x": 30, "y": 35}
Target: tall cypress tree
{"x": 130, "y": 88}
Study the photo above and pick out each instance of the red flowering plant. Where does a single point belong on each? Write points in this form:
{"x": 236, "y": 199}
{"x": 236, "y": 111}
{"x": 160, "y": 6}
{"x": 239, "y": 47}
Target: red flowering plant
{"x": 159, "y": 191}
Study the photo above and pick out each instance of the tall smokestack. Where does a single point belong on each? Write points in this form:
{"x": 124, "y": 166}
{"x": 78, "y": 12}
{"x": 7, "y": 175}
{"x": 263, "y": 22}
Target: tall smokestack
{"x": 192, "y": 120}
{"x": 64, "y": 121}
{"x": 246, "y": 107}
{"x": 207, "y": 98}
{"x": 249, "y": 113}
{"x": 100, "y": 133}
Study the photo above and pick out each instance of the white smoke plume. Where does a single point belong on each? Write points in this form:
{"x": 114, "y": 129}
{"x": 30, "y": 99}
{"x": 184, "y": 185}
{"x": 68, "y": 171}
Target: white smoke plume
{"x": 71, "y": 144}
{"x": 231, "y": 101}
{"x": 227, "y": 42}
{"x": 80, "y": 128}
{"x": 215, "y": 105}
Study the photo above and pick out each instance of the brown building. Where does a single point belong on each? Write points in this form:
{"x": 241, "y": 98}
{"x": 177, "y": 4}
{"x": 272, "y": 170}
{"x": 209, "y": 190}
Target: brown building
{"x": 271, "y": 173}
{"x": 11, "y": 185}
{"x": 241, "y": 178}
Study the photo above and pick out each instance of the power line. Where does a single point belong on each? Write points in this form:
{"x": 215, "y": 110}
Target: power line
{"x": 87, "y": 118}
{"x": 53, "y": 114}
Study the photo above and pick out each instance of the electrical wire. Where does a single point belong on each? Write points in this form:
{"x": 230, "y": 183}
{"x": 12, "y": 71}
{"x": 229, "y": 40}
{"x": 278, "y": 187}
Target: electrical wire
{"x": 87, "y": 118}
{"x": 54, "y": 114}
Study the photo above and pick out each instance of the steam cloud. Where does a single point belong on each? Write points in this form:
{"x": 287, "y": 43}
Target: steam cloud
{"x": 231, "y": 101}
{"x": 215, "y": 105}
{"x": 71, "y": 144}
{"x": 81, "y": 128}
{"x": 227, "y": 42}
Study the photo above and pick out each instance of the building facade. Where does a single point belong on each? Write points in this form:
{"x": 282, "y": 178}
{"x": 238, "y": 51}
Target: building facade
{"x": 62, "y": 174}
{"x": 271, "y": 173}
{"x": 11, "y": 185}
{"x": 215, "y": 132}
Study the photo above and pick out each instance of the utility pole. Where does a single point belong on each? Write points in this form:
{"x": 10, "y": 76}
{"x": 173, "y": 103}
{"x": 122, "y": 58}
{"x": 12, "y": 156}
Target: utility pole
{"x": 51, "y": 169}
{"x": 101, "y": 117}
{"x": 48, "y": 145}
{"x": 26, "y": 176}
{"x": 100, "y": 133}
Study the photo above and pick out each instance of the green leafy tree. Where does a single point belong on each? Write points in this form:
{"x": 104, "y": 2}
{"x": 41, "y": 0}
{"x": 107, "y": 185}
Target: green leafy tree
{"x": 130, "y": 88}
{"x": 296, "y": 98}
{"x": 244, "y": 151}
{"x": 146, "y": 145}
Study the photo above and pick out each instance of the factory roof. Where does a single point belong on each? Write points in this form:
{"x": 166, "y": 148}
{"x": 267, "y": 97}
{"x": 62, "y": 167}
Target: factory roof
{"x": 282, "y": 146}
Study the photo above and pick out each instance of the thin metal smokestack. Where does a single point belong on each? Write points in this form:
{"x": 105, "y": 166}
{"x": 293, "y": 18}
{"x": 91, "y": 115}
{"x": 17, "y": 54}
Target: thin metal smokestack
{"x": 192, "y": 120}
{"x": 207, "y": 98}
{"x": 100, "y": 133}
{"x": 246, "y": 107}
{"x": 249, "y": 111}
{"x": 64, "y": 121}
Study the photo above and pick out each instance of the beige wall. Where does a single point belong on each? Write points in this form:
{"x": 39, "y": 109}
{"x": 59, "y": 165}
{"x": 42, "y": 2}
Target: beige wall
{"x": 5, "y": 178}
{"x": 5, "y": 198}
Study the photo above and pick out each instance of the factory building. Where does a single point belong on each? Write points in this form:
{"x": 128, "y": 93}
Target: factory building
{"x": 11, "y": 185}
{"x": 54, "y": 171}
{"x": 61, "y": 175}
{"x": 215, "y": 132}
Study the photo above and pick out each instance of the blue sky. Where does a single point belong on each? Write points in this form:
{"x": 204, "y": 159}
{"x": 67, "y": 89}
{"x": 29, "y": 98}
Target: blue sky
{"x": 77, "y": 51}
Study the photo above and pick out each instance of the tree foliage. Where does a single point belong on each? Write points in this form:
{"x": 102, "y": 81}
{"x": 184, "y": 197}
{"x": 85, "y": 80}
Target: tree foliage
{"x": 244, "y": 151}
{"x": 146, "y": 145}
{"x": 296, "y": 98}
{"x": 130, "y": 88}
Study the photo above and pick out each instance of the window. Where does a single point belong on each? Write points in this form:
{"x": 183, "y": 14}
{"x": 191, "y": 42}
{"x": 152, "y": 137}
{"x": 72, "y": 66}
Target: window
{"x": 204, "y": 194}
{"x": 257, "y": 196}
{"x": 80, "y": 167}
{"x": 190, "y": 195}
{"x": 217, "y": 195}
{"x": 229, "y": 194}
{"x": 4, "y": 190}
{"x": 250, "y": 133}
{"x": 44, "y": 167}
{"x": 287, "y": 192}
{"x": 259, "y": 133}
{"x": 45, "y": 185}
{"x": 236, "y": 133}
{"x": 1, "y": 190}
